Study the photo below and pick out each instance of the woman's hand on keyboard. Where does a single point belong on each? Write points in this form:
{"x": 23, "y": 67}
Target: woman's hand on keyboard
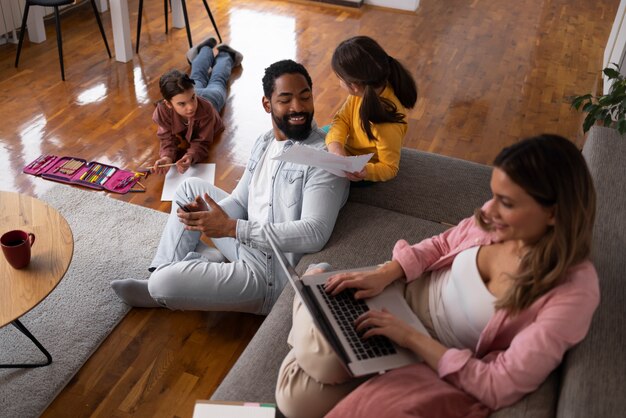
{"x": 367, "y": 283}
{"x": 384, "y": 323}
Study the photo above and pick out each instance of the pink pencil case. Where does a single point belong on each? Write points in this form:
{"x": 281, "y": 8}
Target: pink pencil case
{"x": 92, "y": 174}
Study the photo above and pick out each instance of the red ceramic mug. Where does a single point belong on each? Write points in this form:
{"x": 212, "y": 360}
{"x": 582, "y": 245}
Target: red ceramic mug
{"x": 16, "y": 247}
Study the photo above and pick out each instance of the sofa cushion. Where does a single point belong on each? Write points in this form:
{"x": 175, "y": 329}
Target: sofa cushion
{"x": 538, "y": 404}
{"x": 594, "y": 372}
{"x": 365, "y": 235}
{"x": 430, "y": 186}
{"x": 253, "y": 377}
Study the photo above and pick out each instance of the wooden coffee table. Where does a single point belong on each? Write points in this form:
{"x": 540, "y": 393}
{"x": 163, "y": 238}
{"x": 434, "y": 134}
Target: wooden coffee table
{"x": 22, "y": 290}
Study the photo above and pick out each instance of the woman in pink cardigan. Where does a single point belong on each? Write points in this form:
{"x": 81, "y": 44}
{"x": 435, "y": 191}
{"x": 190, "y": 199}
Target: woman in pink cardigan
{"x": 504, "y": 295}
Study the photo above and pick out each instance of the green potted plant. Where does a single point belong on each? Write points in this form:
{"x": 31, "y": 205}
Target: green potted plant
{"x": 608, "y": 109}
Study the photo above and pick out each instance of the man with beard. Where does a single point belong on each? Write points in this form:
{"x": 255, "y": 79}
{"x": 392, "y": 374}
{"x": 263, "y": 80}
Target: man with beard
{"x": 297, "y": 204}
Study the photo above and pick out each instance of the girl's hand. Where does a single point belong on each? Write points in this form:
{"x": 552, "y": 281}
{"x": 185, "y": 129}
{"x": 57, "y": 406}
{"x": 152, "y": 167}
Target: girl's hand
{"x": 384, "y": 323}
{"x": 183, "y": 164}
{"x": 369, "y": 283}
{"x": 336, "y": 148}
{"x": 161, "y": 161}
{"x": 357, "y": 175}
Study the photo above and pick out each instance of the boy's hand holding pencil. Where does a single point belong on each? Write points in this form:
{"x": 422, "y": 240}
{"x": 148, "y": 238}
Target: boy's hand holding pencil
{"x": 183, "y": 164}
{"x": 163, "y": 164}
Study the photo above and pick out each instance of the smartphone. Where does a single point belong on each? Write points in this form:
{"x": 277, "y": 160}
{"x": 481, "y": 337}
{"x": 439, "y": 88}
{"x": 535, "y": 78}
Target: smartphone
{"x": 183, "y": 207}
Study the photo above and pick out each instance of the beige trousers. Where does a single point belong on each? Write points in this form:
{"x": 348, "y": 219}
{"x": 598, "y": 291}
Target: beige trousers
{"x": 312, "y": 379}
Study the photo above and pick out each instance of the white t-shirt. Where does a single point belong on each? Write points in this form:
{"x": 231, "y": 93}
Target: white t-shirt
{"x": 460, "y": 304}
{"x": 261, "y": 183}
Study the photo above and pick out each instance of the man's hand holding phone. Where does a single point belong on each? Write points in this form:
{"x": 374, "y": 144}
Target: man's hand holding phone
{"x": 183, "y": 207}
{"x": 206, "y": 216}
{"x": 196, "y": 205}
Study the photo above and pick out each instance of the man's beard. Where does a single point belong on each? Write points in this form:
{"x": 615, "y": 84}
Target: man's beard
{"x": 295, "y": 132}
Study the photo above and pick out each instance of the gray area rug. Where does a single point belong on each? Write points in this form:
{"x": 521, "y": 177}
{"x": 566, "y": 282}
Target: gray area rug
{"x": 78, "y": 315}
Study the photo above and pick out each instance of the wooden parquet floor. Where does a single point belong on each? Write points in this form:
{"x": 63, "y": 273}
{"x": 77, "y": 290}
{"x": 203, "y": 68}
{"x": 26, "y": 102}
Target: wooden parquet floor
{"x": 489, "y": 72}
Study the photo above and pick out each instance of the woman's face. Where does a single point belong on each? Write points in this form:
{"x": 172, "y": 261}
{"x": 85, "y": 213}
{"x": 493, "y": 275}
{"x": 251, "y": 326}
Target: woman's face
{"x": 513, "y": 213}
{"x": 185, "y": 103}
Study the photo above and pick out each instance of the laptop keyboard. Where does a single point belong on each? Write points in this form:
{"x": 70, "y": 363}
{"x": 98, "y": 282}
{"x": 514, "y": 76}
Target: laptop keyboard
{"x": 346, "y": 309}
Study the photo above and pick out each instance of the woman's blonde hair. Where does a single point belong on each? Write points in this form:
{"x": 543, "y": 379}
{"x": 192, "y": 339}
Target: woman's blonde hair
{"x": 553, "y": 172}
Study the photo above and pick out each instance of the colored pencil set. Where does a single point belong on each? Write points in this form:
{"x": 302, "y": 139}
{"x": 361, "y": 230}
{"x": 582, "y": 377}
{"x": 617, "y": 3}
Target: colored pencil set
{"x": 93, "y": 174}
{"x": 70, "y": 166}
{"x": 98, "y": 174}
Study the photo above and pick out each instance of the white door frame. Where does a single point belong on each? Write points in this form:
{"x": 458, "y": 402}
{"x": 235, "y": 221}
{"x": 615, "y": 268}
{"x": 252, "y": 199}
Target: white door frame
{"x": 615, "y": 51}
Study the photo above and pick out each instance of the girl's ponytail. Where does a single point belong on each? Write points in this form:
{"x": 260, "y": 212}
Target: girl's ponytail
{"x": 376, "y": 109}
{"x": 402, "y": 82}
{"x": 361, "y": 60}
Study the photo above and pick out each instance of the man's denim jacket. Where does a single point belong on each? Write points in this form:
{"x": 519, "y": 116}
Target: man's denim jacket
{"x": 304, "y": 204}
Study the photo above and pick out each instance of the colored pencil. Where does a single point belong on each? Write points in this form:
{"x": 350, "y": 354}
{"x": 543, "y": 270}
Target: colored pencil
{"x": 159, "y": 166}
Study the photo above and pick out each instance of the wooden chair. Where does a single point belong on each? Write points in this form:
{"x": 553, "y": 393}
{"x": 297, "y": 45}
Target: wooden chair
{"x": 56, "y": 4}
{"x": 165, "y": 12}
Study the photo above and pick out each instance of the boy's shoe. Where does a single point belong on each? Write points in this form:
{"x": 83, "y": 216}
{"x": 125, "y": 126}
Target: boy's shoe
{"x": 234, "y": 54}
{"x": 195, "y": 50}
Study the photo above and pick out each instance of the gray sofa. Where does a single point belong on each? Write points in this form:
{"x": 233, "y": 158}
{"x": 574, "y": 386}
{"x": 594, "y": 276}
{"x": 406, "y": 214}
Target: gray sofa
{"x": 430, "y": 193}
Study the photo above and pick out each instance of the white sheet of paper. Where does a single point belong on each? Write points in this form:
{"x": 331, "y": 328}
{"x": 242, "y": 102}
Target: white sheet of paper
{"x": 246, "y": 410}
{"x": 173, "y": 179}
{"x": 330, "y": 162}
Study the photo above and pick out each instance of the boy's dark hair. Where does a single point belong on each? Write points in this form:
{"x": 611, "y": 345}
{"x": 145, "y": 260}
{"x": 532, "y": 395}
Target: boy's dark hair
{"x": 174, "y": 82}
{"x": 278, "y": 69}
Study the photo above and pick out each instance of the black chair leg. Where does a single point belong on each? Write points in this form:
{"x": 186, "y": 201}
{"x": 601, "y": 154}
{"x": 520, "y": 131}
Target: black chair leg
{"x": 139, "y": 25}
{"x": 104, "y": 37}
{"x": 22, "y": 32}
{"x": 186, "y": 17}
{"x": 165, "y": 14}
{"x": 208, "y": 10}
{"x": 57, "y": 18}
{"x": 186, "y": 22}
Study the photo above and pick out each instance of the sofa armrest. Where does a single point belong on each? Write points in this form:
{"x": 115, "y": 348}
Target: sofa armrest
{"x": 431, "y": 187}
{"x": 594, "y": 378}
{"x": 253, "y": 377}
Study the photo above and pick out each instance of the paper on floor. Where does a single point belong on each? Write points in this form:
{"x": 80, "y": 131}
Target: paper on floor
{"x": 215, "y": 409}
{"x": 173, "y": 178}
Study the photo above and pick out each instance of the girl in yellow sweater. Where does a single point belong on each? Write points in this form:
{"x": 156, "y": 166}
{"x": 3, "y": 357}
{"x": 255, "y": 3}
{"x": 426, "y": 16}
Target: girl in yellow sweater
{"x": 373, "y": 118}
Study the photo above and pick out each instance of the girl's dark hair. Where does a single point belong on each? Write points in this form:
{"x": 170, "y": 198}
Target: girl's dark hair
{"x": 361, "y": 60}
{"x": 174, "y": 82}
{"x": 553, "y": 172}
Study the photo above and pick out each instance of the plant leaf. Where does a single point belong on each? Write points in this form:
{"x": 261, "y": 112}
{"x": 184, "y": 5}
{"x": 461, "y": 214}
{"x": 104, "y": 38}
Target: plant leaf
{"x": 579, "y": 100}
{"x": 618, "y": 88}
{"x": 611, "y": 73}
{"x": 590, "y": 107}
{"x": 589, "y": 121}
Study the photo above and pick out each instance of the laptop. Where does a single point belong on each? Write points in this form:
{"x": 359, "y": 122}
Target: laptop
{"x": 334, "y": 316}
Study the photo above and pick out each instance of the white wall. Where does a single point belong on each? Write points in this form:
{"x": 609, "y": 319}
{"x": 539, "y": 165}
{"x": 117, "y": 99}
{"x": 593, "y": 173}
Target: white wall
{"x": 410, "y": 5}
{"x": 10, "y": 18}
{"x": 615, "y": 51}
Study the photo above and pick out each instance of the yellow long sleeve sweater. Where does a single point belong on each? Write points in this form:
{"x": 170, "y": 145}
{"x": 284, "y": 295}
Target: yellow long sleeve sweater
{"x": 346, "y": 129}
